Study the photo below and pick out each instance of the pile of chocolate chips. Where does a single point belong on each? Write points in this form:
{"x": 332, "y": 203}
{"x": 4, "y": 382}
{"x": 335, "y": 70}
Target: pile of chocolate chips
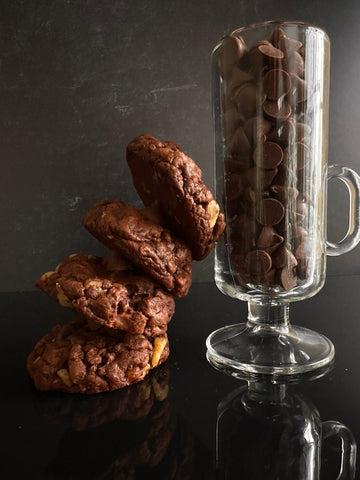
{"x": 266, "y": 141}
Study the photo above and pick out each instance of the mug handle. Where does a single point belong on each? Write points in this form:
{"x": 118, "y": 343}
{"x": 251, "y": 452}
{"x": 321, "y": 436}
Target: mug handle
{"x": 352, "y": 236}
{"x": 348, "y": 448}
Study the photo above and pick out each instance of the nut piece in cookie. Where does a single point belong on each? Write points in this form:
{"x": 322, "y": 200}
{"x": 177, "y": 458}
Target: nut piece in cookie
{"x": 149, "y": 246}
{"x": 163, "y": 174}
{"x": 75, "y": 359}
{"x": 124, "y": 300}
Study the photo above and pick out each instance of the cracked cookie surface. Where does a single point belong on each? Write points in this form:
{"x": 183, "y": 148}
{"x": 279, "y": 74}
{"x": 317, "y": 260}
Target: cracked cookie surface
{"x": 124, "y": 300}
{"x": 164, "y": 175}
{"x": 151, "y": 247}
{"x": 74, "y": 358}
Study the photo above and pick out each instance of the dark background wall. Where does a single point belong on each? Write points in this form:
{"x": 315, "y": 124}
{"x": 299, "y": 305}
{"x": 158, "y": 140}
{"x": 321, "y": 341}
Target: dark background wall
{"x": 80, "y": 79}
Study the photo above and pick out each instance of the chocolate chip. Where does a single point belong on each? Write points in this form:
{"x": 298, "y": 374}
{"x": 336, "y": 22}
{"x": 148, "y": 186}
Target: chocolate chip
{"x": 277, "y": 110}
{"x": 288, "y": 279}
{"x": 298, "y": 92}
{"x": 282, "y": 134}
{"x": 232, "y": 50}
{"x": 297, "y": 156}
{"x": 260, "y": 179}
{"x": 284, "y": 194}
{"x": 269, "y": 240}
{"x": 232, "y": 120}
{"x": 276, "y": 83}
{"x": 283, "y": 257}
{"x": 300, "y": 234}
{"x": 238, "y": 261}
{"x": 270, "y": 212}
{"x": 248, "y": 201}
{"x": 268, "y": 155}
{"x": 256, "y": 45}
{"x": 270, "y": 51}
{"x": 302, "y": 268}
{"x": 239, "y": 144}
{"x": 255, "y": 128}
{"x": 302, "y": 132}
{"x": 301, "y": 251}
{"x": 278, "y": 38}
{"x": 284, "y": 176}
{"x": 296, "y": 64}
{"x": 293, "y": 45}
{"x": 246, "y": 99}
{"x": 234, "y": 186}
{"x": 263, "y": 55}
{"x": 242, "y": 244}
{"x": 238, "y": 78}
{"x": 236, "y": 163}
{"x": 258, "y": 262}
{"x": 269, "y": 278}
{"x": 243, "y": 231}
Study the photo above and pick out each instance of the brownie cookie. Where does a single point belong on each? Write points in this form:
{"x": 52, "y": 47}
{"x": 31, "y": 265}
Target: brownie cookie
{"x": 124, "y": 300}
{"x": 75, "y": 359}
{"x": 149, "y": 246}
{"x": 164, "y": 175}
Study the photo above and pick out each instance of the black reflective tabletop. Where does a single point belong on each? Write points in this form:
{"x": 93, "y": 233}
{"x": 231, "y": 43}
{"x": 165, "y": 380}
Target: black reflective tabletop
{"x": 186, "y": 420}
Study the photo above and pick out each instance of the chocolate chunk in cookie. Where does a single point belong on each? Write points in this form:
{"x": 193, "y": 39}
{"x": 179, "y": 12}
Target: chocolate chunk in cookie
{"x": 149, "y": 246}
{"x": 124, "y": 300}
{"x": 163, "y": 174}
{"x": 75, "y": 359}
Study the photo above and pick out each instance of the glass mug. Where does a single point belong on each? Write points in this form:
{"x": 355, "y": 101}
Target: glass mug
{"x": 270, "y": 107}
{"x": 266, "y": 431}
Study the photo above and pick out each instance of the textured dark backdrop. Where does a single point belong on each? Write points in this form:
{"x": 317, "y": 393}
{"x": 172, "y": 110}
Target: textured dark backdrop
{"x": 80, "y": 79}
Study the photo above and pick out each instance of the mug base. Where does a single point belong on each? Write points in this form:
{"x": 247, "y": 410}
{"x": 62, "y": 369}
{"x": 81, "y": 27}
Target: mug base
{"x": 244, "y": 349}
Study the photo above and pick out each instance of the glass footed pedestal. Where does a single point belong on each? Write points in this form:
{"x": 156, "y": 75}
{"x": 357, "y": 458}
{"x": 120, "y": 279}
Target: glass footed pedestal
{"x": 267, "y": 344}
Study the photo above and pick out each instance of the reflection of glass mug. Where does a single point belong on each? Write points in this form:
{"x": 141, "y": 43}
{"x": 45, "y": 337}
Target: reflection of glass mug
{"x": 270, "y": 99}
{"x": 264, "y": 432}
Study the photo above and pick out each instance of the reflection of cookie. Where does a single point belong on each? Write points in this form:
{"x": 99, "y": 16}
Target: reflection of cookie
{"x": 152, "y": 248}
{"x": 75, "y": 359}
{"x": 121, "y": 450}
{"x": 162, "y": 173}
{"x": 129, "y": 404}
{"x": 121, "y": 300}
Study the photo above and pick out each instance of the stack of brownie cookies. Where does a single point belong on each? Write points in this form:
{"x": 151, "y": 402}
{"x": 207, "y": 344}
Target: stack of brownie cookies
{"x": 126, "y": 301}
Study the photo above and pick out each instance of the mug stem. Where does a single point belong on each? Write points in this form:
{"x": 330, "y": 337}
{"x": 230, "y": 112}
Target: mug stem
{"x": 273, "y": 315}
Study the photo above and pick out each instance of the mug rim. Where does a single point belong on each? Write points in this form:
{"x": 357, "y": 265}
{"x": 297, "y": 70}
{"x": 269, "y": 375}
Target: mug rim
{"x": 285, "y": 23}
{"x": 267, "y": 23}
